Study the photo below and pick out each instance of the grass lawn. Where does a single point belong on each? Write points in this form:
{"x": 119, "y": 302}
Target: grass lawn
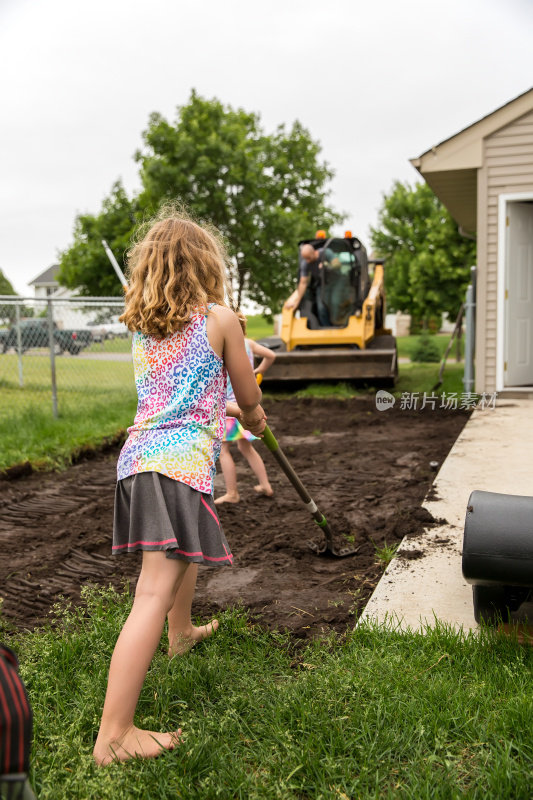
{"x": 406, "y": 345}
{"x": 422, "y": 377}
{"x": 72, "y": 373}
{"x": 84, "y": 423}
{"x": 118, "y": 344}
{"x": 96, "y": 399}
{"x": 257, "y": 327}
{"x": 375, "y": 714}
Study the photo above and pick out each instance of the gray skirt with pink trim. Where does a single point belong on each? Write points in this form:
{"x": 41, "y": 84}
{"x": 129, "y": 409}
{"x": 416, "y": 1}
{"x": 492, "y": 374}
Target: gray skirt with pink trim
{"x": 153, "y": 512}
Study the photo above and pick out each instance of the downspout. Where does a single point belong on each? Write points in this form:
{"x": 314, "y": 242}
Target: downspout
{"x": 470, "y": 318}
{"x": 470, "y": 321}
{"x": 465, "y": 235}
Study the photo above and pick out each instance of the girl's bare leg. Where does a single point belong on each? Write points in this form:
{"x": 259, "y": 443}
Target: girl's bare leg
{"x": 182, "y": 634}
{"x": 230, "y": 476}
{"x": 258, "y": 467}
{"x": 118, "y": 739}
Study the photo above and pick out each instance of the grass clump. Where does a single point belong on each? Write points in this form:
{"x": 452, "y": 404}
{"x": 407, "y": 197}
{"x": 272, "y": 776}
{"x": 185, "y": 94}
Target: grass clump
{"x": 375, "y": 713}
{"x": 385, "y": 554}
{"x": 342, "y": 390}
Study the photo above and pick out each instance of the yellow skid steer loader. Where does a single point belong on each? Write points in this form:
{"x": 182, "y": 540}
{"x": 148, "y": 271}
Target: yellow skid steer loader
{"x": 355, "y": 345}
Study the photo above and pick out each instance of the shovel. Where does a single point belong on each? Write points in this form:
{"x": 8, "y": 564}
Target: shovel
{"x": 327, "y": 546}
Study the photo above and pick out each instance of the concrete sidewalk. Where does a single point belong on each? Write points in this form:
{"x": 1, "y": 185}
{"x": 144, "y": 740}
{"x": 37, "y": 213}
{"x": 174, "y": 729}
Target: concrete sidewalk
{"x": 424, "y": 581}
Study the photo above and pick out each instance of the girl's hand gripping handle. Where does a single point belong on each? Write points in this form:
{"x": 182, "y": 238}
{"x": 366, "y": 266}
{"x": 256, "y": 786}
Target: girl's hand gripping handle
{"x": 254, "y": 421}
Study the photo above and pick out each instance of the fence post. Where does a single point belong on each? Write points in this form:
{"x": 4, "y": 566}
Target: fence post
{"x": 470, "y": 314}
{"x": 19, "y": 344}
{"x": 52, "y": 346}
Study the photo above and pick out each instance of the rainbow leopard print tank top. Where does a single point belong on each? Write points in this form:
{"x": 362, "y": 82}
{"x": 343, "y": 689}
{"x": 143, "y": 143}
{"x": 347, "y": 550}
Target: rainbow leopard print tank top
{"x": 181, "y": 411}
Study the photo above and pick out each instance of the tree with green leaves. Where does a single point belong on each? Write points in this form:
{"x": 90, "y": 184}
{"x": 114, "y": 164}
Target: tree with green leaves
{"x": 428, "y": 262}
{"x": 85, "y": 265}
{"x": 6, "y": 287}
{"x": 7, "y": 312}
{"x": 263, "y": 192}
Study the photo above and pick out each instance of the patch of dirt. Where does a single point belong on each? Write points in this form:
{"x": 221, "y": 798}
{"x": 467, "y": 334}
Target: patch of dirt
{"x": 410, "y": 555}
{"x": 368, "y": 472}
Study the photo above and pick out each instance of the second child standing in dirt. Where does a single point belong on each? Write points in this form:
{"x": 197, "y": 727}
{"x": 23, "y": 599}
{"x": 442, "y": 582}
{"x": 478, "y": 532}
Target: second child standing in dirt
{"x": 236, "y": 433}
{"x": 185, "y": 338}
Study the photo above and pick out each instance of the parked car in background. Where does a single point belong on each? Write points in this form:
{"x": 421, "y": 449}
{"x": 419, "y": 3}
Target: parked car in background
{"x": 112, "y": 330}
{"x": 34, "y": 333}
{"x": 108, "y": 330}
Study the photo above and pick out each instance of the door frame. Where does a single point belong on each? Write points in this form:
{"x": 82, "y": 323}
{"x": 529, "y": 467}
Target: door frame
{"x": 503, "y": 200}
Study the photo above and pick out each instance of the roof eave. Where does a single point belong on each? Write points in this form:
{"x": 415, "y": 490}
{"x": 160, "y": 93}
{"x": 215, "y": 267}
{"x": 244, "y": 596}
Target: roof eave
{"x": 464, "y": 150}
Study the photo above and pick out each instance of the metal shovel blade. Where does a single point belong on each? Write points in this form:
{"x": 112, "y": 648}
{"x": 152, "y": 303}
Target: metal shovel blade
{"x": 328, "y": 546}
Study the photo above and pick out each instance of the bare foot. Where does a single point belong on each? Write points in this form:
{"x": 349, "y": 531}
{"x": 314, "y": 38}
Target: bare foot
{"x": 267, "y": 491}
{"x": 182, "y": 642}
{"x": 135, "y": 743}
{"x": 230, "y": 497}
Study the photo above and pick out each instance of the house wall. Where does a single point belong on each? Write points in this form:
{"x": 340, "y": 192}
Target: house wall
{"x": 507, "y": 169}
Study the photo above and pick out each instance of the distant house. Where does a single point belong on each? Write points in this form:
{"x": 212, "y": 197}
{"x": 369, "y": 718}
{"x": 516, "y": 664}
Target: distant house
{"x": 45, "y": 286}
{"x": 82, "y": 314}
{"x": 45, "y": 283}
{"x": 484, "y": 176}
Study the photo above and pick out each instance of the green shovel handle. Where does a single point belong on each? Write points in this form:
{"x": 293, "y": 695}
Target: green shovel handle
{"x": 271, "y": 442}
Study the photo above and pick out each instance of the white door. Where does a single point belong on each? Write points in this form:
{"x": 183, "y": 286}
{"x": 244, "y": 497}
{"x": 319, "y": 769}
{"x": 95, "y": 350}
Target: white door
{"x": 519, "y": 295}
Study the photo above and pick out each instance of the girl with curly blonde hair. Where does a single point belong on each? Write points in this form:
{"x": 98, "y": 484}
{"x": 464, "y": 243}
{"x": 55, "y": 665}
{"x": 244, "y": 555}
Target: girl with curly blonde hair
{"x": 187, "y": 339}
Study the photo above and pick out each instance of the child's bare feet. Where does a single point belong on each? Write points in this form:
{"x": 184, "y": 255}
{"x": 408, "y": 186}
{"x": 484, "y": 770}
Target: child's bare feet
{"x": 266, "y": 490}
{"x": 134, "y": 743}
{"x": 180, "y": 643}
{"x": 230, "y": 497}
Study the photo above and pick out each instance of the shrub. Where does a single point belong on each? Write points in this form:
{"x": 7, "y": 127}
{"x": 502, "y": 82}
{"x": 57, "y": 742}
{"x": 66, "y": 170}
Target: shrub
{"x": 426, "y": 349}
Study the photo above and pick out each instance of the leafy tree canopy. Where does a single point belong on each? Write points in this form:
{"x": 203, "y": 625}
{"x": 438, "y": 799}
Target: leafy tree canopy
{"x": 85, "y": 265}
{"x": 428, "y": 262}
{"x": 7, "y": 312}
{"x": 263, "y": 192}
{"x": 6, "y": 286}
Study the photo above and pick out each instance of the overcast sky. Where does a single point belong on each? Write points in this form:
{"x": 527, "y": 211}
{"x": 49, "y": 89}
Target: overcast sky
{"x": 376, "y": 83}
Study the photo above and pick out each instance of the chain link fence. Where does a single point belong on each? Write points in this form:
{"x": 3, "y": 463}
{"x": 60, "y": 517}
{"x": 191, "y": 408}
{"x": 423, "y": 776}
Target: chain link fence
{"x": 62, "y": 353}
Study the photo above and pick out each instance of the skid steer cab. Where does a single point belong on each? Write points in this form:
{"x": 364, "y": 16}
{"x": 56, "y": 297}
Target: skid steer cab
{"x": 337, "y": 332}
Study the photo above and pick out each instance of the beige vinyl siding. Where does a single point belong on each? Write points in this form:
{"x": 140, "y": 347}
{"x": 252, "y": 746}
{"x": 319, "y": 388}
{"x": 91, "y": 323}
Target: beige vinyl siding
{"x": 507, "y": 169}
